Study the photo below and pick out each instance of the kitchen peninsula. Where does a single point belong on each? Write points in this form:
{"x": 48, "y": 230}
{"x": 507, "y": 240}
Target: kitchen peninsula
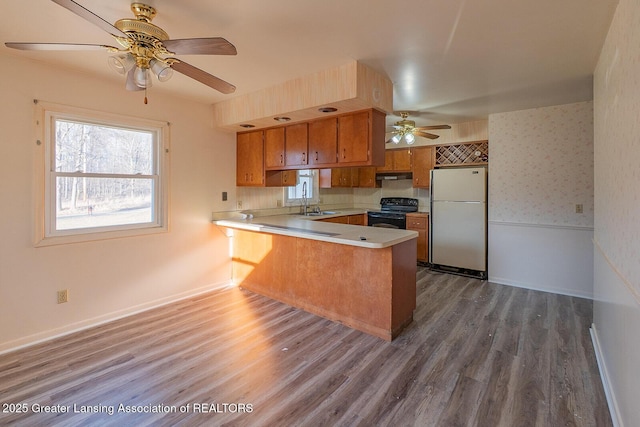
{"x": 363, "y": 277}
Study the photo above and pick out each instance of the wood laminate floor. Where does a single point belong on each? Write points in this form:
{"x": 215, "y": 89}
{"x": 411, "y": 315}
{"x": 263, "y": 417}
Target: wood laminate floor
{"x": 477, "y": 354}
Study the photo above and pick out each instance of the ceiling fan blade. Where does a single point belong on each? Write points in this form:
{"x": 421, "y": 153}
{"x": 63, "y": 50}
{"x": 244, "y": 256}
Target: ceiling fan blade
{"x": 90, "y": 16}
{"x": 433, "y": 127}
{"x": 425, "y": 134}
{"x": 58, "y": 46}
{"x": 201, "y": 46}
{"x": 203, "y": 77}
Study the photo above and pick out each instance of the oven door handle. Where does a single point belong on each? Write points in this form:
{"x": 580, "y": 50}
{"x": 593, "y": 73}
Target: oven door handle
{"x": 385, "y": 215}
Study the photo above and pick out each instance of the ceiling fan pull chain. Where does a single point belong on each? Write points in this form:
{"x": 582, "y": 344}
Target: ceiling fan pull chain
{"x": 145, "y": 96}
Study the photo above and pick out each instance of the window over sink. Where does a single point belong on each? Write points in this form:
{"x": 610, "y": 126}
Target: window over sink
{"x": 307, "y": 181}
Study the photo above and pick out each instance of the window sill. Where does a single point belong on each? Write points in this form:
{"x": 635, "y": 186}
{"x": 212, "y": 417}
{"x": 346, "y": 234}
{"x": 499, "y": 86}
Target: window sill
{"x": 92, "y": 237}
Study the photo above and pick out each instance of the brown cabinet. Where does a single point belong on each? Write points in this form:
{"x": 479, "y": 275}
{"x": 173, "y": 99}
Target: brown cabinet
{"x": 250, "y": 159}
{"x": 353, "y": 139}
{"x": 274, "y": 148}
{"x": 323, "y": 142}
{"x": 364, "y": 177}
{"x": 353, "y": 136}
{"x": 348, "y": 140}
{"x": 356, "y": 219}
{"x": 250, "y": 163}
{"x": 339, "y": 177}
{"x": 296, "y": 145}
{"x": 419, "y": 222}
{"x": 281, "y": 178}
{"x": 422, "y": 158}
{"x": 367, "y": 177}
{"x": 286, "y": 147}
{"x": 397, "y": 160}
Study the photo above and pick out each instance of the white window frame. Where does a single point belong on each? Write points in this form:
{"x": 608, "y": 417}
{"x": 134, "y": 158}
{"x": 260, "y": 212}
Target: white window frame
{"x": 46, "y": 233}
{"x": 314, "y": 188}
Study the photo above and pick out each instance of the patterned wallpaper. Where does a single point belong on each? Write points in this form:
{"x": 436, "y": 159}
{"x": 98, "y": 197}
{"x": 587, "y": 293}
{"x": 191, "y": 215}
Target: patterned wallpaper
{"x": 617, "y": 146}
{"x": 541, "y": 165}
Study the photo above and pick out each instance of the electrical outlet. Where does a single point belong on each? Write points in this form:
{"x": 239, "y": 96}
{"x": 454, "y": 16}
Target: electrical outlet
{"x": 224, "y": 196}
{"x": 579, "y": 208}
{"x": 279, "y": 203}
{"x": 63, "y": 296}
{"x": 239, "y": 204}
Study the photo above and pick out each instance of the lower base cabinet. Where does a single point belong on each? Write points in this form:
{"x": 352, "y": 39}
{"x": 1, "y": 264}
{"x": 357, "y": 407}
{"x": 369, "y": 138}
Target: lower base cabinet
{"x": 368, "y": 289}
{"x": 420, "y": 222}
{"x": 358, "y": 219}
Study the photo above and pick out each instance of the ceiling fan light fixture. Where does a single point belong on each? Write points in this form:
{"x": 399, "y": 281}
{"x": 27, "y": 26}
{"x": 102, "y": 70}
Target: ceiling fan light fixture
{"x": 162, "y": 71}
{"x": 121, "y": 64}
{"x": 396, "y": 138}
{"x": 409, "y": 138}
{"x": 142, "y": 77}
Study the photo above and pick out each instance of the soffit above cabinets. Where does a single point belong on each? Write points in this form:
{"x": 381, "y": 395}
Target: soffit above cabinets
{"x": 347, "y": 88}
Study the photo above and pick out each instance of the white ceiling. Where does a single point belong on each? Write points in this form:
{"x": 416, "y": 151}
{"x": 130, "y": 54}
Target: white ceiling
{"x": 449, "y": 60}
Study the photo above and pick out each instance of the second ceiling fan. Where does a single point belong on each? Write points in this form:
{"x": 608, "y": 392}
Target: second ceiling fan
{"x": 406, "y": 130}
{"x": 145, "y": 48}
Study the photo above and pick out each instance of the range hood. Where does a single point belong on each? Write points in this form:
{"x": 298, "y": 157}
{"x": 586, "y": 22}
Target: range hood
{"x": 393, "y": 176}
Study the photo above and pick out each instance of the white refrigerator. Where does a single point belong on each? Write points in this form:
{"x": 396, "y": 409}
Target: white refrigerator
{"x": 458, "y": 221}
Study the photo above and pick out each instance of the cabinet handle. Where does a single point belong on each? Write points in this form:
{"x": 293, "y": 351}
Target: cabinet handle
{"x": 246, "y": 177}
{"x": 344, "y": 153}
{"x": 316, "y": 156}
{"x": 304, "y": 157}
{"x": 281, "y": 159}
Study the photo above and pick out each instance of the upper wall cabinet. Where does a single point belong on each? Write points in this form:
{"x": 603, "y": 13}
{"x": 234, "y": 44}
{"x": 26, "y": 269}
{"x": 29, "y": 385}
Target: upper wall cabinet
{"x": 250, "y": 159}
{"x": 323, "y": 142}
{"x": 417, "y": 160}
{"x": 396, "y": 160}
{"x": 345, "y": 140}
{"x": 250, "y": 163}
{"x": 354, "y": 139}
{"x": 286, "y": 147}
{"x": 422, "y": 163}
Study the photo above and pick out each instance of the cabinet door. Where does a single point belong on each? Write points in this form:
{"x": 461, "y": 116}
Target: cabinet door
{"x": 367, "y": 177}
{"x": 356, "y": 219}
{"x": 422, "y": 165}
{"x": 250, "y": 159}
{"x": 419, "y": 222}
{"x": 353, "y": 138}
{"x": 388, "y": 162}
{"x": 286, "y": 178}
{"x": 296, "y": 145}
{"x": 274, "y": 148}
{"x": 337, "y": 219}
{"x": 402, "y": 160}
{"x": 323, "y": 141}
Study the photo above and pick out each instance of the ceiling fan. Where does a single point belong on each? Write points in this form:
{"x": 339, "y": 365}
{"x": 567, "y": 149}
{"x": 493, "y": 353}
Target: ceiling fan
{"x": 406, "y": 130}
{"x": 144, "y": 49}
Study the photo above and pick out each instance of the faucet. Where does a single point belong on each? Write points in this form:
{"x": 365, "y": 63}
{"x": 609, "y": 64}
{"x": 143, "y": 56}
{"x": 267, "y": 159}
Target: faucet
{"x": 305, "y": 201}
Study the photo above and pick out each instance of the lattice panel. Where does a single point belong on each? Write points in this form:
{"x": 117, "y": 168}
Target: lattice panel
{"x": 462, "y": 154}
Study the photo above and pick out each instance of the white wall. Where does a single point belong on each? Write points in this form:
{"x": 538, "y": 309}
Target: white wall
{"x": 109, "y": 278}
{"x": 541, "y": 166}
{"x": 617, "y": 212}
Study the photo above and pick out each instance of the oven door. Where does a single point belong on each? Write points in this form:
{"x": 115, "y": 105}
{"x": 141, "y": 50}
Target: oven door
{"x": 387, "y": 220}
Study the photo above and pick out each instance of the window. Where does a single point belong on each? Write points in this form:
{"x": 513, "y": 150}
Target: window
{"x": 307, "y": 181}
{"x": 104, "y": 175}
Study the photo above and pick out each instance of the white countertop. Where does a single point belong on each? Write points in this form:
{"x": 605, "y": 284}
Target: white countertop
{"x": 307, "y": 228}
